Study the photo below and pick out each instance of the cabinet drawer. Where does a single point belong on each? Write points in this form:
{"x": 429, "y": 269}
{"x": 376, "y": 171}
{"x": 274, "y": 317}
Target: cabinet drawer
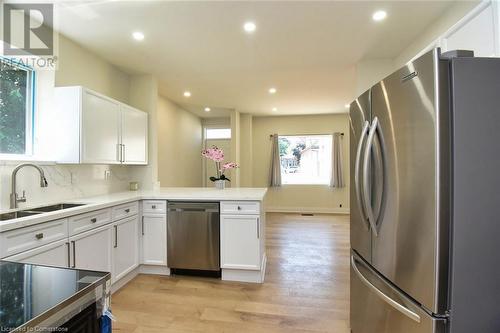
{"x": 88, "y": 221}
{"x": 240, "y": 207}
{"x": 125, "y": 210}
{"x": 19, "y": 240}
{"x": 154, "y": 206}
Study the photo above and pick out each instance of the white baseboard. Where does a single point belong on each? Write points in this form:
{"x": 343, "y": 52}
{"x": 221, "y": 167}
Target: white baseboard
{"x": 117, "y": 285}
{"x": 245, "y": 275}
{"x": 307, "y": 210}
{"x": 154, "y": 270}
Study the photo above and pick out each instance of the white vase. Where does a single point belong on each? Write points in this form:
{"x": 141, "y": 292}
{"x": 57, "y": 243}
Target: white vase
{"x": 220, "y": 184}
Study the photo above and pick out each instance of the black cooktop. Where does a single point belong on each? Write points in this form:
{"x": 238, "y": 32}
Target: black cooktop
{"x": 29, "y": 291}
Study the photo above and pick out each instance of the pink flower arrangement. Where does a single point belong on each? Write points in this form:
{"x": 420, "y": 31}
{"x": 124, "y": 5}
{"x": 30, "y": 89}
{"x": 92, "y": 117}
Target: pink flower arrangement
{"x": 217, "y": 155}
{"x": 214, "y": 154}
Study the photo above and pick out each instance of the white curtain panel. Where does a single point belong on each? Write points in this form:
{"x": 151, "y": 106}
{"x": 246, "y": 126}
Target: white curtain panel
{"x": 337, "y": 179}
{"x": 275, "y": 179}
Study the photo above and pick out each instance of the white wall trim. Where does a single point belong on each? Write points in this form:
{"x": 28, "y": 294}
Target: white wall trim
{"x": 318, "y": 210}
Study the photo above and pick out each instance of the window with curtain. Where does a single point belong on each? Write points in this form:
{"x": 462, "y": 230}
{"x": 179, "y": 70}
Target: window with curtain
{"x": 305, "y": 159}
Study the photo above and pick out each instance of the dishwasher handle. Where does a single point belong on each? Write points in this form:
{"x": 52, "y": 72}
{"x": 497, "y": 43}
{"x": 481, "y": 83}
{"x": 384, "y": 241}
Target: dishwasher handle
{"x": 205, "y": 210}
{"x": 205, "y": 207}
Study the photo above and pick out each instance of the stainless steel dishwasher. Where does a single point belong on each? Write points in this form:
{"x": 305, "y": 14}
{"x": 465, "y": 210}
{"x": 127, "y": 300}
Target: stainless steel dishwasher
{"x": 193, "y": 236}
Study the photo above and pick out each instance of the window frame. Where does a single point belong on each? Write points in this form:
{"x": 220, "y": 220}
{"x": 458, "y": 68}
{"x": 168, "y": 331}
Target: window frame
{"x": 327, "y": 182}
{"x": 29, "y": 150}
{"x": 218, "y": 128}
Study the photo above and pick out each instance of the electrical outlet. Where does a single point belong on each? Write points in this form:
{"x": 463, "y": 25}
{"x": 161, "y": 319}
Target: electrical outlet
{"x": 107, "y": 174}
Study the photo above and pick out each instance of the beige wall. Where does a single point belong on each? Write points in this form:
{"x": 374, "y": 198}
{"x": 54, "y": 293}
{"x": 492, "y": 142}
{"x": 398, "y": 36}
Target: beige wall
{"x": 369, "y": 72}
{"x": 179, "y": 146}
{"x": 246, "y": 151}
{"x": 79, "y": 66}
{"x": 302, "y": 198}
{"x": 144, "y": 96}
{"x": 439, "y": 27}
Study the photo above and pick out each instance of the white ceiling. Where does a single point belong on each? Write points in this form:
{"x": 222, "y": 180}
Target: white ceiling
{"x": 306, "y": 49}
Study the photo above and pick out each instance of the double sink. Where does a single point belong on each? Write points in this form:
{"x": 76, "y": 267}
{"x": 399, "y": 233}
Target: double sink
{"x": 38, "y": 210}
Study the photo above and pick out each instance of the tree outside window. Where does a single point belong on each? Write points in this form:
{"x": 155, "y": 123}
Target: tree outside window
{"x": 15, "y": 109}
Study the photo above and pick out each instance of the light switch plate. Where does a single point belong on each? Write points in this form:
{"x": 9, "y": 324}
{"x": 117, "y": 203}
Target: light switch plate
{"x": 107, "y": 174}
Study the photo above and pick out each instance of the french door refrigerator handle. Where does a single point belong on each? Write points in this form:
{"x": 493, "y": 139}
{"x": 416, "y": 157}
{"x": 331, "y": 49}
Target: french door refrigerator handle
{"x": 366, "y": 174}
{"x": 381, "y": 157}
{"x": 357, "y": 187}
{"x": 399, "y": 307}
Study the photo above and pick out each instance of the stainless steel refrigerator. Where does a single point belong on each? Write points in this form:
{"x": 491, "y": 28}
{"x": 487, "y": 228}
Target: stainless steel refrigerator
{"x": 425, "y": 184}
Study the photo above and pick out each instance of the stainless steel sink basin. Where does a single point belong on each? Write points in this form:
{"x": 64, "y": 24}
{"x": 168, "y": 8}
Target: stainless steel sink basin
{"x": 16, "y": 215}
{"x": 55, "y": 207}
{"x": 38, "y": 210}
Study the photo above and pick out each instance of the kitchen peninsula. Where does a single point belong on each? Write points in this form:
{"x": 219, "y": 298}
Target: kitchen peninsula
{"x": 125, "y": 233}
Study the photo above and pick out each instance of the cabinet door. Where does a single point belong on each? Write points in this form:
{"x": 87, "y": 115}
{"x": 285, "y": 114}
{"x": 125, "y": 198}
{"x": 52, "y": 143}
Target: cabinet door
{"x": 92, "y": 250}
{"x": 100, "y": 129}
{"x": 54, "y": 254}
{"x": 476, "y": 34}
{"x": 125, "y": 247}
{"x": 240, "y": 241}
{"x": 134, "y": 135}
{"x": 154, "y": 240}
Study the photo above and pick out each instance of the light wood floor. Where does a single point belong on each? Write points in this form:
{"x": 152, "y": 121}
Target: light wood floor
{"x": 306, "y": 288}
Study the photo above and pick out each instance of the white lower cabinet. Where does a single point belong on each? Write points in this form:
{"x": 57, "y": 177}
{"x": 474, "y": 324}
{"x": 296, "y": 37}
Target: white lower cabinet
{"x": 240, "y": 242}
{"x": 125, "y": 247}
{"x": 91, "y": 250}
{"x": 54, "y": 254}
{"x": 154, "y": 240}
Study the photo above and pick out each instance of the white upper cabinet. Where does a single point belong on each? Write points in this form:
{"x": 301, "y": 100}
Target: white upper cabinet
{"x": 476, "y": 32}
{"x": 90, "y": 128}
{"x": 134, "y": 135}
{"x": 100, "y": 130}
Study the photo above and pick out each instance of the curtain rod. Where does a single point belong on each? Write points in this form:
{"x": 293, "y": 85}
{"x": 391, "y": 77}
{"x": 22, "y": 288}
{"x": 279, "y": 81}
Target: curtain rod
{"x": 271, "y": 135}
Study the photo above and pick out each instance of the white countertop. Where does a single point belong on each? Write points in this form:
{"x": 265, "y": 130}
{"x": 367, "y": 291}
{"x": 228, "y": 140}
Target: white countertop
{"x": 112, "y": 199}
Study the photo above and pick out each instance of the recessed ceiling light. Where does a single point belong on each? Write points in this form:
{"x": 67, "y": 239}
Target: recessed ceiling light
{"x": 379, "y": 15}
{"x": 275, "y": 109}
{"x": 137, "y": 35}
{"x": 187, "y": 94}
{"x": 207, "y": 109}
{"x": 249, "y": 27}
{"x": 272, "y": 90}
{"x": 347, "y": 105}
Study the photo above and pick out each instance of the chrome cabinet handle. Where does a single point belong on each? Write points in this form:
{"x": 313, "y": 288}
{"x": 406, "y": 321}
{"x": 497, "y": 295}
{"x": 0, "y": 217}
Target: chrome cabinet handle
{"x": 357, "y": 187}
{"x": 69, "y": 254}
{"x": 119, "y": 152}
{"x": 258, "y": 228}
{"x": 93, "y": 220}
{"x": 39, "y": 236}
{"x": 153, "y": 207}
{"x": 116, "y": 236}
{"x": 74, "y": 254}
{"x": 123, "y": 154}
{"x": 366, "y": 171}
{"x": 143, "y": 225}
{"x": 399, "y": 307}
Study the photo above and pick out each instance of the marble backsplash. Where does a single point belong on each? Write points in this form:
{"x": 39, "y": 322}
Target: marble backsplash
{"x": 65, "y": 182}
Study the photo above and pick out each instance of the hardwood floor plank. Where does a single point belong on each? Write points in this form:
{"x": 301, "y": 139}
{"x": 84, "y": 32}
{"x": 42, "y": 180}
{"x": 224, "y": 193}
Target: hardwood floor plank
{"x": 306, "y": 288}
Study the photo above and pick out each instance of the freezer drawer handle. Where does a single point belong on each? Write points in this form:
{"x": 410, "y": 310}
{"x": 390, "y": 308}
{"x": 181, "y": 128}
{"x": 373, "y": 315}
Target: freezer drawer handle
{"x": 357, "y": 188}
{"x": 401, "y": 308}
